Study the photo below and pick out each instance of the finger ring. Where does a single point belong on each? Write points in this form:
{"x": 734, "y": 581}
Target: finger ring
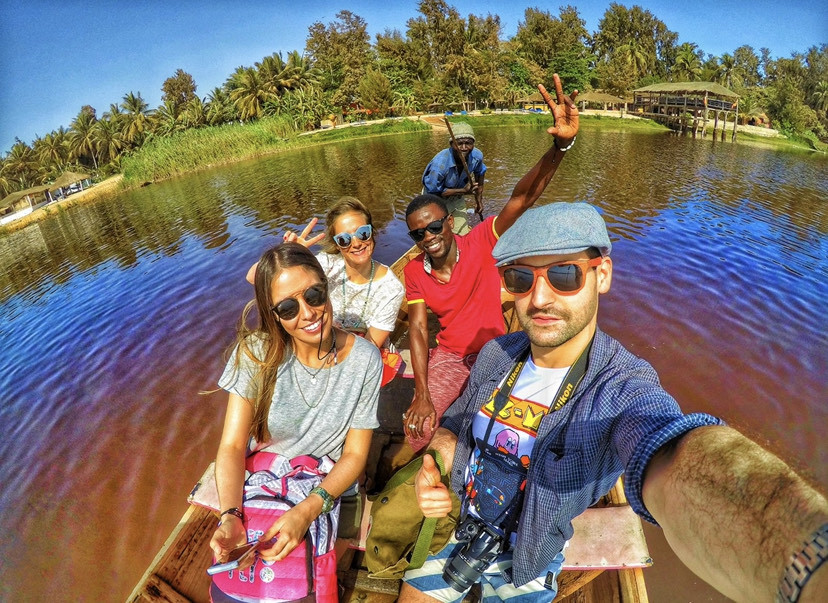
{"x": 403, "y": 416}
{"x": 412, "y": 426}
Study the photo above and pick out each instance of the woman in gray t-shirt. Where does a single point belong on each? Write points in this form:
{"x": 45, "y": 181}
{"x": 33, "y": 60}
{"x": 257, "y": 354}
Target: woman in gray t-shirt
{"x": 298, "y": 385}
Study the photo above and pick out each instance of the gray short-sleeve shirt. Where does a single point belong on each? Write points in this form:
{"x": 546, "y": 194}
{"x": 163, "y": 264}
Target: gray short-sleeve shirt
{"x": 312, "y": 415}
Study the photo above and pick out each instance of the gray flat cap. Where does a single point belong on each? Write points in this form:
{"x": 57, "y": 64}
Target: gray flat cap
{"x": 554, "y": 229}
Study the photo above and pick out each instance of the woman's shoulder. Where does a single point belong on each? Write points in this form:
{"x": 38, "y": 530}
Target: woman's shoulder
{"x": 387, "y": 278}
{"x": 363, "y": 349}
{"x": 330, "y": 261}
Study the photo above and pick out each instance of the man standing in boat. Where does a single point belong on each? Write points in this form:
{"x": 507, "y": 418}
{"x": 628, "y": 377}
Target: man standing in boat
{"x": 551, "y": 417}
{"x": 456, "y": 279}
{"x": 445, "y": 175}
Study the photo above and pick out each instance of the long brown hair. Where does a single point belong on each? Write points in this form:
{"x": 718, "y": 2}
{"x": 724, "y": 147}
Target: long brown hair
{"x": 269, "y": 333}
{"x": 345, "y": 205}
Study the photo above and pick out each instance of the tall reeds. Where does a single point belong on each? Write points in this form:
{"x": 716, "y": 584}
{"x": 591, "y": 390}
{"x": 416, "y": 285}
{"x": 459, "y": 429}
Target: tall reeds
{"x": 195, "y": 149}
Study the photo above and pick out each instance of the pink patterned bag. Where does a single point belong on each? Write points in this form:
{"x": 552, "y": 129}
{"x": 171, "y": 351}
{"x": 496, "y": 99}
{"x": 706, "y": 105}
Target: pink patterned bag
{"x": 308, "y": 574}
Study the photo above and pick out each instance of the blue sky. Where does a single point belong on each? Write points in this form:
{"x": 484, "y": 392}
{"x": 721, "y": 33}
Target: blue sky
{"x": 58, "y": 55}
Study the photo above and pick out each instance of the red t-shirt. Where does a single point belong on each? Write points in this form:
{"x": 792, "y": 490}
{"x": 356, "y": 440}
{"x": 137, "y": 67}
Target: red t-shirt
{"x": 468, "y": 306}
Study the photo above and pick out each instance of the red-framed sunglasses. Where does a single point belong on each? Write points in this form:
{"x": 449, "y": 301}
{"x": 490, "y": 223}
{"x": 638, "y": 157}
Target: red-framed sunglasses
{"x": 565, "y": 278}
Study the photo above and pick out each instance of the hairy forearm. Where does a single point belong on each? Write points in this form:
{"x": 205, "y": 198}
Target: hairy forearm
{"x": 733, "y": 512}
{"x": 444, "y": 442}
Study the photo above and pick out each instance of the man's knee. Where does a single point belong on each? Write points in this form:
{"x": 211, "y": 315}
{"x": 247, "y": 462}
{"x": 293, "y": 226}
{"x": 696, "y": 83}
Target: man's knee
{"x": 409, "y": 594}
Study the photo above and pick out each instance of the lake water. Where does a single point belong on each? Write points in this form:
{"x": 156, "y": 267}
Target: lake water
{"x": 115, "y": 316}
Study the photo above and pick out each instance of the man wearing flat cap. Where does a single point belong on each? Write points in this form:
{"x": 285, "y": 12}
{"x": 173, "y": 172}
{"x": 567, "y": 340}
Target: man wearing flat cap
{"x": 554, "y": 414}
{"x": 445, "y": 176}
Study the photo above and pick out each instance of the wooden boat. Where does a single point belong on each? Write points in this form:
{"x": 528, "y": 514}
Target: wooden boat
{"x": 604, "y": 559}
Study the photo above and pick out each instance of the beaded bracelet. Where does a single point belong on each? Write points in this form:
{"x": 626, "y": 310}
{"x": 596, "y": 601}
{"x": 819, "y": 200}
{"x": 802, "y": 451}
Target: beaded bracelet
{"x": 567, "y": 147}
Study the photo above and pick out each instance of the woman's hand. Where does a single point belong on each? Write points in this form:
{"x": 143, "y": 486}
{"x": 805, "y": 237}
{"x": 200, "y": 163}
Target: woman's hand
{"x": 420, "y": 411}
{"x": 289, "y": 530}
{"x": 302, "y": 239}
{"x": 229, "y": 535}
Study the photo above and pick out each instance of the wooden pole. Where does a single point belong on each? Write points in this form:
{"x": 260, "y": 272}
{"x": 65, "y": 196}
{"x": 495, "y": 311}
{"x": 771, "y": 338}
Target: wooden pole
{"x": 735, "y": 121}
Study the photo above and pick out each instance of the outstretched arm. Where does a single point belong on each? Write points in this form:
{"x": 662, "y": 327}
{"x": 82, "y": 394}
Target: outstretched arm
{"x": 531, "y": 186}
{"x": 733, "y": 512}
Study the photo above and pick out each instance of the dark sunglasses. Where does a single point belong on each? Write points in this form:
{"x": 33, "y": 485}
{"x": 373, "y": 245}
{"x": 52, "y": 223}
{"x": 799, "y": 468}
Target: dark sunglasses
{"x": 344, "y": 239}
{"x": 436, "y": 227}
{"x": 565, "y": 278}
{"x": 315, "y": 295}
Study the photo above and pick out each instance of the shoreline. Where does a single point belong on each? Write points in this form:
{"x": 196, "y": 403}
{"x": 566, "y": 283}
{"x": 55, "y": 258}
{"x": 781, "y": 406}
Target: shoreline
{"x": 115, "y": 184}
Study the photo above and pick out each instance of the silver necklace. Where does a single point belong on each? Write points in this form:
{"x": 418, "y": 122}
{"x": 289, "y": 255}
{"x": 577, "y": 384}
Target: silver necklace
{"x": 324, "y": 358}
{"x": 313, "y": 377}
{"x": 367, "y": 297}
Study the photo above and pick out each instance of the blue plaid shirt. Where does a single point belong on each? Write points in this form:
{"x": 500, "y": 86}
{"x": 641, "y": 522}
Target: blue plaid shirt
{"x": 442, "y": 172}
{"x": 617, "y": 419}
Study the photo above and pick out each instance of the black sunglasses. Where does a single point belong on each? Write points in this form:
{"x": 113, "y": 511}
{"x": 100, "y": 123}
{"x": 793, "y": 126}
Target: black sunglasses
{"x": 315, "y": 295}
{"x": 436, "y": 227}
{"x": 344, "y": 239}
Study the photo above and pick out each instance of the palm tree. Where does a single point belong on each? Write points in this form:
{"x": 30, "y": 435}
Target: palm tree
{"x": 304, "y": 73}
{"x": 728, "y": 71}
{"x": 820, "y": 96}
{"x": 53, "y": 149}
{"x": 82, "y": 137}
{"x": 108, "y": 139}
{"x": 194, "y": 114}
{"x": 220, "y": 108}
{"x": 250, "y": 93}
{"x": 21, "y": 166}
{"x": 136, "y": 119}
{"x": 636, "y": 56}
{"x": 166, "y": 119}
{"x": 688, "y": 66}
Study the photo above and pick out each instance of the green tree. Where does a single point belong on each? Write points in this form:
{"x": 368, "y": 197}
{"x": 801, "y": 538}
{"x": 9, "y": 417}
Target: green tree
{"x": 178, "y": 90}
{"x": 53, "y": 149}
{"x": 82, "y": 136}
{"x": 341, "y": 51}
{"x": 21, "y": 167}
{"x": 729, "y": 71}
{"x": 687, "y": 67}
{"x": 220, "y": 108}
{"x": 375, "y": 93}
{"x": 250, "y": 94}
{"x": 136, "y": 119}
{"x": 747, "y": 64}
{"x": 108, "y": 139}
{"x": 167, "y": 120}
{"x": 820, "y": 96}
{"x": 541, "y": 37}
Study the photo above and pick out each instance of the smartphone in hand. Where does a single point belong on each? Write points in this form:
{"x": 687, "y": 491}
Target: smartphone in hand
{"x": 237, "y": 557}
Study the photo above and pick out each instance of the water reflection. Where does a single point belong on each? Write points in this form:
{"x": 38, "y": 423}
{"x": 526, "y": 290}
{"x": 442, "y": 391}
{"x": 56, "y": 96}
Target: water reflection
{"x": 115, "y": 316}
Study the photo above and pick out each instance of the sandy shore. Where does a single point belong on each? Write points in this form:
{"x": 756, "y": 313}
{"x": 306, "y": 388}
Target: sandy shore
{"x": 94, "y": 193}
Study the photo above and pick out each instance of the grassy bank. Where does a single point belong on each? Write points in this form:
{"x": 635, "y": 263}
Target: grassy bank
{"x": 202, "y": 148}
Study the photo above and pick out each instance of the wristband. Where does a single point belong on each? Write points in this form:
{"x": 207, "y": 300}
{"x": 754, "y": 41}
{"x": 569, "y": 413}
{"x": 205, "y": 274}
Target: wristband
{"x": 327, "y": 499}
{"x": 233, "y": 511}
{"x": 566, "y": 148}
{"x": 802, "y": 565}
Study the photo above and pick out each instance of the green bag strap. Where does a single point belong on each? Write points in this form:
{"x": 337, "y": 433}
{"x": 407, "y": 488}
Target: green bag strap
{"x": 420, "y": 552}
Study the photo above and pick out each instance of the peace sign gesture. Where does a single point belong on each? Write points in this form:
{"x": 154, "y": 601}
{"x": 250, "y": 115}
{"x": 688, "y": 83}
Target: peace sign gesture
{"x": 564, "y": 111}
{"x": 302, "y": 239}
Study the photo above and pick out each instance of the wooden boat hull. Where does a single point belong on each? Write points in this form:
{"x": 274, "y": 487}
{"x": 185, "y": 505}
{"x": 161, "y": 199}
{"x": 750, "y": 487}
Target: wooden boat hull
{"x": 178, "y": 572}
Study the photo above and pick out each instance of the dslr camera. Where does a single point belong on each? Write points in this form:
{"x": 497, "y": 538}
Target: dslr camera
{"x": 483, "y": 545}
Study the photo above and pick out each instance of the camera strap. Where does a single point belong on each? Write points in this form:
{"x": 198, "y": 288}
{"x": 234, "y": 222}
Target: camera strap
{"x": 511, "y": 466}
{"x": 570, "y": 381}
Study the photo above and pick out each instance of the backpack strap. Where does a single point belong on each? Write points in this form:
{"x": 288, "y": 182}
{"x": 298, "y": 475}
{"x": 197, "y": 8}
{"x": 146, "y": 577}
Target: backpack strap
{"x": 420, "y": 552}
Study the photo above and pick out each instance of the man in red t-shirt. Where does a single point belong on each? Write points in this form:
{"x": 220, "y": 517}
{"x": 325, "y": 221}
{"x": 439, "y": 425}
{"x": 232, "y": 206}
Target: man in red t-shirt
{"x": 455, "y": 277}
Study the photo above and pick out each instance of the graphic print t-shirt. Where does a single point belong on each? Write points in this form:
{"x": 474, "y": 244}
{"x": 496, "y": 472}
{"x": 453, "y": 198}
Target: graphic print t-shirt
{"x": 514, "y": 429}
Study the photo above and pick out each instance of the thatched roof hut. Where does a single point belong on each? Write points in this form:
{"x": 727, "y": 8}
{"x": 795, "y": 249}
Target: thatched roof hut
{"x": 26, "y": 198}
{"x": 599, "y": 98}
{"x": 68, "y": 179}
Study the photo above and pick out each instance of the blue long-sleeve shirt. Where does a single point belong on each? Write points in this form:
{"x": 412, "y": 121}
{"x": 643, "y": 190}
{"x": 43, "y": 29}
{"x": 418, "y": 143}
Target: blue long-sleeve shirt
{"x": 618, "y": 417}
{"x": 442, "y": 172}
